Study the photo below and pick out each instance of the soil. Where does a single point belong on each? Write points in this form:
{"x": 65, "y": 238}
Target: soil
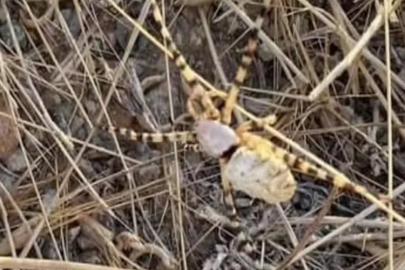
{"x": 157, "y": 204}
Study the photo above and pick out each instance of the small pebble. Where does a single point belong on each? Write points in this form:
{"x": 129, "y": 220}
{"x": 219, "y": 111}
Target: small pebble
{"x": 16, "y": 162}
{"x": 6, "y": 180}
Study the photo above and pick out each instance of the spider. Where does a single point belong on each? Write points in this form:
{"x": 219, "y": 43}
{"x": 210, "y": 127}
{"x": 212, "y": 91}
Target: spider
{"x": 212, "y": 123}
{"x": 209, "y": 118}
{"x": 248, "y": 162}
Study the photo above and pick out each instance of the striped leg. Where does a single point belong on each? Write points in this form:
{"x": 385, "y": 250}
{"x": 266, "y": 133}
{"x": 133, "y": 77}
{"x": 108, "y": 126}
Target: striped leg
{"x": 249, "y": 125}
{"x": 184, "y": 137}
{"x": 197, "y": 92}
{"x": 246, "y": 61}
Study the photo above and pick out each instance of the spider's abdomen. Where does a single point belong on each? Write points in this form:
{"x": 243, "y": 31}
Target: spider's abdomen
{"x": 267, "y": 179}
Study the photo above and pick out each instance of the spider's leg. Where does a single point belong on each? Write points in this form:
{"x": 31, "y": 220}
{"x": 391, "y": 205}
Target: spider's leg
{"x": 249, "y": 125}
{"x": 201, "y": 97}
{"x": 197, "y": 91}
{"x": 188, "y": 139}
{"x": 228, "y": 197}
{"x": 184, "y": 137}
{"x": 338, "y": 180}
{"x": 245, "y": 62}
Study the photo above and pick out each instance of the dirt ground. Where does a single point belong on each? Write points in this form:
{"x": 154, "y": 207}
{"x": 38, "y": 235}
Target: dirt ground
{"x": 75, "y": 197}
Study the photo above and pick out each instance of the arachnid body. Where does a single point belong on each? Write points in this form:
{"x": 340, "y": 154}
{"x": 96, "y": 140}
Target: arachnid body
{"x": 248, "y": 162}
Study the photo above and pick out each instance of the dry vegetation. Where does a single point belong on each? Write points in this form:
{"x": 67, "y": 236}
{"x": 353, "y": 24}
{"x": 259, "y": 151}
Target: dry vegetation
{"x": 75, "y": 197}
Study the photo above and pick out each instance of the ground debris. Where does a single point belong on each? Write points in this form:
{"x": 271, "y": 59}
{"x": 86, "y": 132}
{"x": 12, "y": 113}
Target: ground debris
{"x": 8, "y": 133}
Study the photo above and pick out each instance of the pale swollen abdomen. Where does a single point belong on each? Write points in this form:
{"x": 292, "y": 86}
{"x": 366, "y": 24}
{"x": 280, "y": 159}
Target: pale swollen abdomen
{"x": 269, "y": 180}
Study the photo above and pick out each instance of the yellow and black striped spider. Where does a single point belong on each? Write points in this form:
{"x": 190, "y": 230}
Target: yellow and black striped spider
{"x": 248, "y": 162}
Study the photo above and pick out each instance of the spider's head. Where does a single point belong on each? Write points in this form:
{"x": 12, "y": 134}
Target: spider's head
{"x": 215, "y": 138}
